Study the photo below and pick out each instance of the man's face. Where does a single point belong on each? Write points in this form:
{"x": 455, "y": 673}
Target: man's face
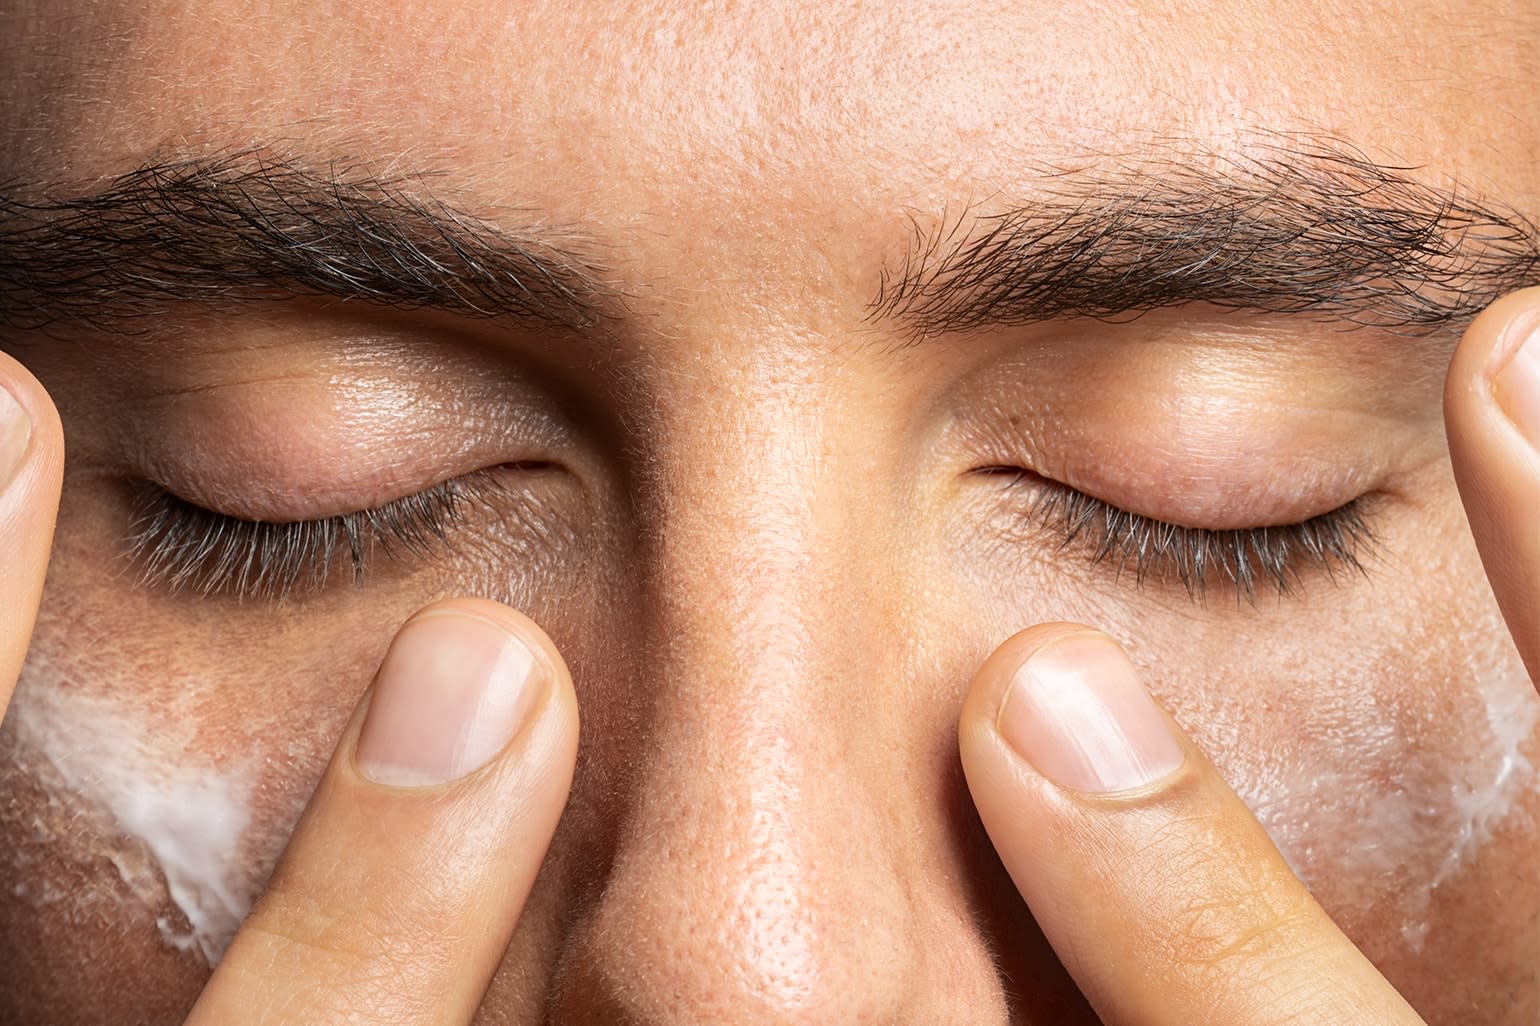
{"x": 758, "y": 343}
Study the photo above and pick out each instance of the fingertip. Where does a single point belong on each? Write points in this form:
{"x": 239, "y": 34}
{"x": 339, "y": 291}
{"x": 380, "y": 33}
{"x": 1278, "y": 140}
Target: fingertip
{"x": 1486, "y": 353}
{"x": 1073, "y": 707}
{"x": 1492, "y": 417}
{"x": 466, "y": 684}
{"x": 1120, "y": 835}
{"x": 560, "y": 717}
{"x": 516, "y": 623}
{"x": 31, "y": 475}
{"x": 984, "y": 753}
{"x": 986, "y": 693}
{"x": 1004, "y": 782}
{"x": 459, "y": 758}
{"x": 31, "y": 435}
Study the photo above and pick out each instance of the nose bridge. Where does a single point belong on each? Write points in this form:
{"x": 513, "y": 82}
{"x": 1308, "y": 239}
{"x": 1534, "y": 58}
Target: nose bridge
{"x": 757, "y": 552}
{"x": 757, "y": 874}
{"x": 756, "y": 638}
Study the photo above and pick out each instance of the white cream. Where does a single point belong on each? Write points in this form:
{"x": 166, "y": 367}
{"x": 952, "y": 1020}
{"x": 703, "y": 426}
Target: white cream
{"x": 1361, "y": 801}
{"x": 173, "y": 830}
{"x": 1370, "y": 814}
{"x": 1492, "y": 789}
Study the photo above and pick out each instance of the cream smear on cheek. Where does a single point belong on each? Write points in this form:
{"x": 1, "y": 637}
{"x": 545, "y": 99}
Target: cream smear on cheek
{"x": 1371, "y": 803}
{"x": 1374, "y": 823}
{"x": 171, "y": 824}
{"x": 1493, "y": 784}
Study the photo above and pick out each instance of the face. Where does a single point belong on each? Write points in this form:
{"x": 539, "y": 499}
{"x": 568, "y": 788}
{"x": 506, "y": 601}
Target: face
{"x": 774, "y": 376}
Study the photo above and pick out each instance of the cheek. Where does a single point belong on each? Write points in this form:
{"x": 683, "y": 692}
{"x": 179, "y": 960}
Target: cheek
{"x": 1394, "y": 768}
{"x": 153, "y": 777}
{"x": 1450, "y": 791}
{"x": 1385, "y": 734}
{"x": 106, "y": 792}
{"x": 128, "y": 797}
{"x": 1389, "y": 797}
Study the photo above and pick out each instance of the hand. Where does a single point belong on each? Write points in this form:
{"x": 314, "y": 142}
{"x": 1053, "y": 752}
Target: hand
{"x": 1160, "y": 892}
{"x": 399, "y": 890}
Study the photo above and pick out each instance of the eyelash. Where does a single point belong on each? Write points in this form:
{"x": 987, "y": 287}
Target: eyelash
{"x": 1243, "y": 558}
{"x": 182, "y": 546}
{"x": 185, "y": 547}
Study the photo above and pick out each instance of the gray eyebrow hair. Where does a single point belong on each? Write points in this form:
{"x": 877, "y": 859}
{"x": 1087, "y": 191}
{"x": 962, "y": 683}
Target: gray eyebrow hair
{"x": 1320, "y": 230}
{"x": 251, "y": 225}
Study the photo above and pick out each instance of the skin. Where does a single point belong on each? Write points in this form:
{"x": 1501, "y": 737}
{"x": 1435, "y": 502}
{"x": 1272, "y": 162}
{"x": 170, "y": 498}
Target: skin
{"x": 762, "y": 558}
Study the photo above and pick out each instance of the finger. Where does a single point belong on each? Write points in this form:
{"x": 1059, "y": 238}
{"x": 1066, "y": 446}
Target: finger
{"x": 31, "y": 468}
{"x": 404, "y": 879}
{"x": 1492, "y": 413}
{"x": 1158, "y": 890}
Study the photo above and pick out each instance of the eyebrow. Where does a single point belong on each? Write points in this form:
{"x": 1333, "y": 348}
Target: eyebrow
{"x": 250, "y": 225}
{"x": 1319, "y": 231}
{"x": 1322, "y": 231}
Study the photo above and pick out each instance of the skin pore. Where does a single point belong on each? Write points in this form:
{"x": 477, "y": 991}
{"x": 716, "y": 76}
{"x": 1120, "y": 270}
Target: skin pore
{"x": 758, "y": 509}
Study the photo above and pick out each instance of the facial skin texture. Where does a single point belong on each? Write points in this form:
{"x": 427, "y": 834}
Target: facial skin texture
{"x": 743, "y": 508}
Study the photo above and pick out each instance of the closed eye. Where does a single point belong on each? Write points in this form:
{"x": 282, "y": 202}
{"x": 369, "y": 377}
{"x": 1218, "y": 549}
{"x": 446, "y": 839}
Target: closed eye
{"x": 1276, "y": 556}
{"x": 182, "y": 546}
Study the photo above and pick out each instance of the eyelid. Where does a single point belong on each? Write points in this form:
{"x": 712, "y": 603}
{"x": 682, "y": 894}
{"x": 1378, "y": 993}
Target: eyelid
{"x": 363, "y": 412}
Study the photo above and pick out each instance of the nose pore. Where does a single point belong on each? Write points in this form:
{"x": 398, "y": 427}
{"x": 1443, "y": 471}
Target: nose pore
{"x": 742, "y": 905}
{"x": 760, "y": 876}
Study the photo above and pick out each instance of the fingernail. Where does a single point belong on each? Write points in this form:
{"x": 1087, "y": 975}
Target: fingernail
{"x": 451, "y": 694}
{"x": 1517, "y": 383}
{"x": 1076, "y": 711}
{"x": 15, "y": 432}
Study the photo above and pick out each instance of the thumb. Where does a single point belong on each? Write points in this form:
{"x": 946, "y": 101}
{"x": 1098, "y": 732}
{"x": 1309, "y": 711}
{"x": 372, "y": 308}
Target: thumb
{"x": 1157, "y": 888}
{"x": 1492, "y": 413}
{"x": 31, "y": 468}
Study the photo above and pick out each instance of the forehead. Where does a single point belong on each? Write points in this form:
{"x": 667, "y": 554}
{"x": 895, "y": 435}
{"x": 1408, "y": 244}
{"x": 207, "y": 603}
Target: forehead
{"x": 771, "y": 89}
{"x": 709, "y": 142}
{"x": 767, "y": 156}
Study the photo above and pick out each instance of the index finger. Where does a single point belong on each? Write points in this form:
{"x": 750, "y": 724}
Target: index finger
{"x": 1159, "y": 891}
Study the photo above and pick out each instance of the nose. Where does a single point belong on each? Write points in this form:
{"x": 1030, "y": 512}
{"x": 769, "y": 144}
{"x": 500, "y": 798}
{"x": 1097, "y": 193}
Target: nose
{"x": 784, "y": 854}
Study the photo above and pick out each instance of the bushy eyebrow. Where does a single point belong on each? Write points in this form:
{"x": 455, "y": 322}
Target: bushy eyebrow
{"x": 250, "y": 225}
{"x": 1320, "y": 230}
